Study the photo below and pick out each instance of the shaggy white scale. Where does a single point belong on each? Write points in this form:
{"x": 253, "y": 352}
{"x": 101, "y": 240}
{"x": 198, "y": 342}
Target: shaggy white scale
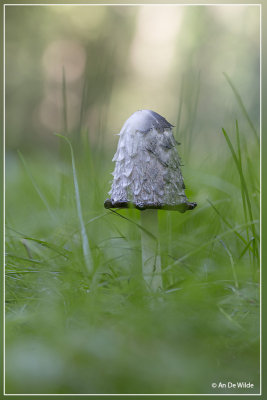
{"x": 147, "y": 172}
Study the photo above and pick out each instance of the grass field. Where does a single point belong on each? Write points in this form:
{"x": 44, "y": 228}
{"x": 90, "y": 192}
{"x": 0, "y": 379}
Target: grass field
{"x": 79, "y": 318}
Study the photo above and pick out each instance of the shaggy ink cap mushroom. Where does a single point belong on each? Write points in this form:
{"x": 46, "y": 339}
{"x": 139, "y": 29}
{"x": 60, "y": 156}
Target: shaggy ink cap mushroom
{"x": 147, "y": 172}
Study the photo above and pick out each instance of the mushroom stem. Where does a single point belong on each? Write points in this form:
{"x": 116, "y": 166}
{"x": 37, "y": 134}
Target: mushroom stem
{"x": 151, "y": 261}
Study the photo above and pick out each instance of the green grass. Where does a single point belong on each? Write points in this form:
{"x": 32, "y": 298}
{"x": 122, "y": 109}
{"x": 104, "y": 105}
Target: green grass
{"x": 78, "y": 316}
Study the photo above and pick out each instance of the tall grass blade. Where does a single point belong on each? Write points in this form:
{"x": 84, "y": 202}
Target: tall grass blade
{"x": 28, "y": 260}
{"x": 226, "y": 222}
{"x": 246, "y": 248}
{"x": 85, "y": 243}
{"x": 64, "y": 102}
{"x": 239, "y": 154}
{"x": 62, "y": 152}
{"x": 241, "y": 169}
{"x": 243, "y": 108}
{"x": 232, "y": 262}
{"x": 230, "y": 318}
{"x": 35, "y": 185}
{"x": 82, "y": 109}
{"x": 135, "y": 223}
{"x": 244, "y": 187}
{"x": 86, "y": 223}
{"x": 25, "y": 245}
{"x": 57, "y": 249}
{"x": 207, "y": 243}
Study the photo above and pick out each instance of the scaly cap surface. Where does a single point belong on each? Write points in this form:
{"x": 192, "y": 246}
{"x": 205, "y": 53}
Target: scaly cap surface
{"x": 147, "y": 172}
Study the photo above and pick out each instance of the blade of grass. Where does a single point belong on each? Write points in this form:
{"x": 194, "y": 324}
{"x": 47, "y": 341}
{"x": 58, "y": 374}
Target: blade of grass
{"x": 26, "y": 247}
{"x": 31, "y": 260}
{"x": 241, "y": 169}
{"x": 230, "y": 318}
{"x": 64, "y": 102}
{"x": 85, "y": 243}
{"x": 86, "y": 223}
{"x": 243, "y": 108}
{"x": 135, "y": 223}
{"x": 244, "y": 185}
{"x": 246, "y": 248}
{"x": 226, "y": 222}
{"x": 82, "y": 109}
{"x": 36, "y": 187}
{"x": 62, "y": 152}
{"x": 231, "y": 261}
{"x": 50, "y": 246}
{"x": 20, "y": 272}
{"x": 207, "y": 243}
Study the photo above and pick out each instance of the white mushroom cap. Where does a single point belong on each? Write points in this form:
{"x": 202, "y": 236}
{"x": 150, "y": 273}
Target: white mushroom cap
{"x": 147, "y": 172}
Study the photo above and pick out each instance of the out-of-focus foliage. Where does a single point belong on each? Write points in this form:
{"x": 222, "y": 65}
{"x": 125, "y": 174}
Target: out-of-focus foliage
{"x": 120, "y": 59}
{"x": 81, "y": 71}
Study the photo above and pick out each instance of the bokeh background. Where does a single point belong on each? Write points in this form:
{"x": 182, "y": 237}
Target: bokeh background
{"x": 118, "y": 59}
{"x": 81, "y": 71}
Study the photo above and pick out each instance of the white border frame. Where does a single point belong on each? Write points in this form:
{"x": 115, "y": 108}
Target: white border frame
{"x": 4, "y": 132}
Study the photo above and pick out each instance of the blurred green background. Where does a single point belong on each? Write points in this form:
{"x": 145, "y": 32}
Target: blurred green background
{"x": 81, "y": 71}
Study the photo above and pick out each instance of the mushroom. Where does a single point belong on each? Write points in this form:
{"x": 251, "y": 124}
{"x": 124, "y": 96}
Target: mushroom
{"x": 147, "y": 176}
